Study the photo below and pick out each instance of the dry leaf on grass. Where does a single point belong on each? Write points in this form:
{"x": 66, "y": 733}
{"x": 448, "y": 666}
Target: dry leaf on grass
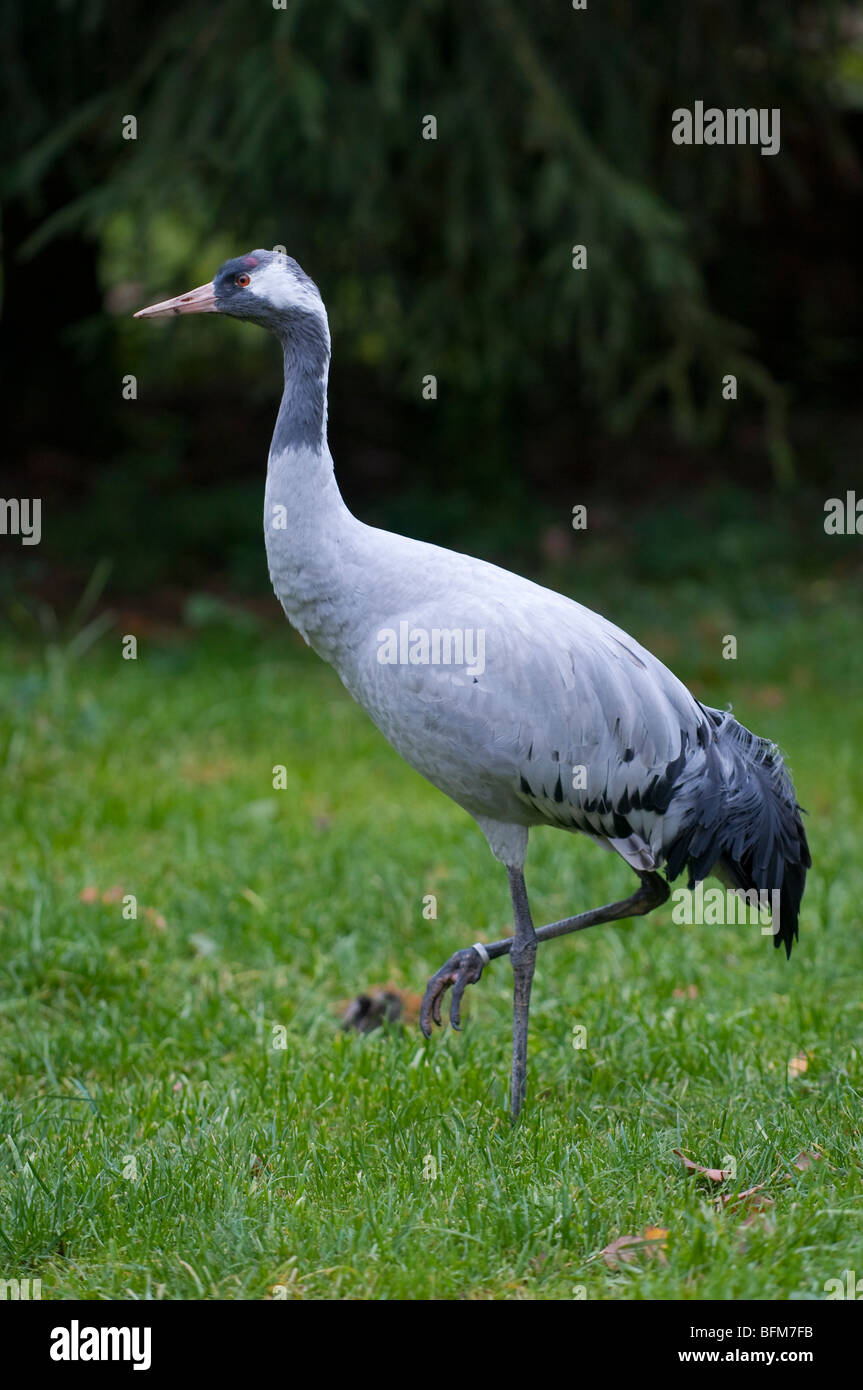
{"x": 798, "y": 1065}
{"x": 804, "y": 1159}
{"x": 714, "y": 1174}
{"x": 758, "y": 1218}
{"x": 754, "y": 1200}
{"x": 759, "y": 1221}
{"x": 750, "y": 1201}
{"x": 687, "y": 992}
{"x": 626, "y": 1249}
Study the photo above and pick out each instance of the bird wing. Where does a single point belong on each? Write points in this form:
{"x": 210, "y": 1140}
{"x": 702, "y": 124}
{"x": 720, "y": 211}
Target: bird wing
{"x": 560, "y": 717}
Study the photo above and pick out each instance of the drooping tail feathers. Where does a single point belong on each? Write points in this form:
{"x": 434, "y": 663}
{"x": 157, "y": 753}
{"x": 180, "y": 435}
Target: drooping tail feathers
{"x": 747, "y": 827}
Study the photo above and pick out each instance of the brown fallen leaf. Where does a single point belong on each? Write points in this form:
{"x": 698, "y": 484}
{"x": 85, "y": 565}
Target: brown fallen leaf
{"x": 750, "y": 1200}
{"x": 798, "y": 1065}
{"x": 714, "y": 1174}
{"x": 804, "y": 1159}
{"x": 626, "y": 1249}
{"x": 762, "y": 1220}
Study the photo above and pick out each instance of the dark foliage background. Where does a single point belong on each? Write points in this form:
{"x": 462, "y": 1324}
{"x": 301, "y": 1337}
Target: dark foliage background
{"x": 302, "y": 126}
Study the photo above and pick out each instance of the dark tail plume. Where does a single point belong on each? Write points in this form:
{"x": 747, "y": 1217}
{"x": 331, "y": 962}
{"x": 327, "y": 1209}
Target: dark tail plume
{"x": 747, "y": 827}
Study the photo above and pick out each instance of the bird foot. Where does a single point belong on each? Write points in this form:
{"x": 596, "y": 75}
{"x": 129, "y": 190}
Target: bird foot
{"x": 462, "y": 969}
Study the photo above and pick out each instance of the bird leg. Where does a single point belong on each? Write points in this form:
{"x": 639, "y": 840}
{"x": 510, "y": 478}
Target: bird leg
{"x": 523, "y": 956}
{"x": 466, "y": 966}
{"x": 652, "y": 893}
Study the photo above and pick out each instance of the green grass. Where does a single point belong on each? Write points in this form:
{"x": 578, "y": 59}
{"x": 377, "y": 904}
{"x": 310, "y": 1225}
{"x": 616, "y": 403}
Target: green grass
{"x": 308, "y": 1166}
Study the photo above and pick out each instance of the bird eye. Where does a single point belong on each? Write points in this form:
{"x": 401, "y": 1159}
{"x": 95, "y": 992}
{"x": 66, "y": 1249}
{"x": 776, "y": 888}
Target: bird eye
{"x": 243, "y": 280}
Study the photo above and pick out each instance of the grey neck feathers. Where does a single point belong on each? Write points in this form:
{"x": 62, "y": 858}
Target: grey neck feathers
{"x": 308, "y": 528}
{"x": 302, "y": 418}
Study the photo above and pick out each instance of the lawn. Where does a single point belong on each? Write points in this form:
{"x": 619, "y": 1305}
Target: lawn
{"x": 184, "y": 1118}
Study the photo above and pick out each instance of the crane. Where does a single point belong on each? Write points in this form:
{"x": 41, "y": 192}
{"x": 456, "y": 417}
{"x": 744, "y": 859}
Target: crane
{"x": 521, "y": 705}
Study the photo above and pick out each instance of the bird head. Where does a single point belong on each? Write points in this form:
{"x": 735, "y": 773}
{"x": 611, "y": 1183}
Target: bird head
{"x": 265, "y": 287}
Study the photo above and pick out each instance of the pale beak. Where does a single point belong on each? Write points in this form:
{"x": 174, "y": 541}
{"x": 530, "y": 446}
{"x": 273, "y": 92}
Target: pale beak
{"x": 199, "y": 301}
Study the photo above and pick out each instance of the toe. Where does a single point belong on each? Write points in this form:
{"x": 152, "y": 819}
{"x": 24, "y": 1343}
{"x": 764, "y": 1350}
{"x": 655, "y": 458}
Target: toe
{"x": 458, "y": 990}
{"x": 430, "y": 1010}
{"x": 426, "y": 1012}
{"x": 438, "y": 1000}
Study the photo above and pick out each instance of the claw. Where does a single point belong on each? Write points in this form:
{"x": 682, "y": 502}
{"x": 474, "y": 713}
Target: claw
{"x": 458, "y": 990}
{"x": 436, "y": 1003}
{"x": 462, "y": 969}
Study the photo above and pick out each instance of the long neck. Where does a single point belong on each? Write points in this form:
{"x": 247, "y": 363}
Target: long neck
{"x": 305, "y": 518}
{"x": 302, "y": 418}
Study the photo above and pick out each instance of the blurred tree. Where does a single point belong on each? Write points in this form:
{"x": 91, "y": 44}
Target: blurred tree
{"x": 303, "y": 126}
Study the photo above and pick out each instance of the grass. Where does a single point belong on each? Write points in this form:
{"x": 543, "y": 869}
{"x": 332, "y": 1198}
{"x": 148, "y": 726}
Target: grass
{"x": 183, "y": 1117}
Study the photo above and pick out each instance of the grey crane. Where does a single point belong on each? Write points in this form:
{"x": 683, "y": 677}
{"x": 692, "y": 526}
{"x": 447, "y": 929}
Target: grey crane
{"x": 521, "y": 705}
